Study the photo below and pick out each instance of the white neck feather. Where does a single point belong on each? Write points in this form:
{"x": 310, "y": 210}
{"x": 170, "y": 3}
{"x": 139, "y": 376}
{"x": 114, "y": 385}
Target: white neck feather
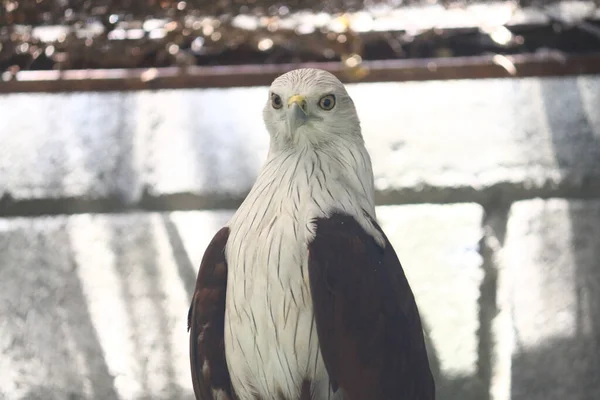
{"x": 312, "y": 182}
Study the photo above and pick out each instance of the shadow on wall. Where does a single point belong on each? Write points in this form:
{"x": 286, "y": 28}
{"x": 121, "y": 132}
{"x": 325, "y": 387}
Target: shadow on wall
{"x": 143, "y": 296}
{"x": 55, "y": 332}
{"x": 582, "y": 353}
{"x": 559, "y": 367}
{"x": 466, "y": 387}
{"x": 557, "y": 353}
{"x": 49, "y": 341}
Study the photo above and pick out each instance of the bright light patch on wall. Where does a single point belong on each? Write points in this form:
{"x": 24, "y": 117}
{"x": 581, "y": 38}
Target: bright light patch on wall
{"x": 91, "y": 239}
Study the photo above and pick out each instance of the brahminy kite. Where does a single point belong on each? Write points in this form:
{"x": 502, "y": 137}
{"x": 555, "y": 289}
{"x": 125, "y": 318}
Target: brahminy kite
{"x": 301, "y": 296}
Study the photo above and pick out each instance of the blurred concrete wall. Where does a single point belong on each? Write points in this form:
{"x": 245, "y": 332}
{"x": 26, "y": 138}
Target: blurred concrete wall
{"x": 488, "y": 189}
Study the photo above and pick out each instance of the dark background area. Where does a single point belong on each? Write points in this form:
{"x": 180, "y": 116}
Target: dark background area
{"x": 153, "y": 33}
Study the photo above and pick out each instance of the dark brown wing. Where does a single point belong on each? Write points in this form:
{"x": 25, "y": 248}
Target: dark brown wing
{"x": 367, "y": 319}
{"x": 206, "y": 323}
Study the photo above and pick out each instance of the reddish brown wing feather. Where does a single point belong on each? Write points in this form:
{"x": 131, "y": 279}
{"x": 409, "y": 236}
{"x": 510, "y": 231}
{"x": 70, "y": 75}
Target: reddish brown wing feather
{"x": 367, "y": 320}
{"x": 206, "y": 323}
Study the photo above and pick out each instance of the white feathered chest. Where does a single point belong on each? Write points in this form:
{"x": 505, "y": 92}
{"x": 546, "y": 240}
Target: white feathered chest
{"x": 271, "y": 341}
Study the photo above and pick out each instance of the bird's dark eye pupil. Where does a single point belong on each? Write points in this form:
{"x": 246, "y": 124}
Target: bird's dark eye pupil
{"x": 276, "y": 101}
{"x": 327, "y": 102}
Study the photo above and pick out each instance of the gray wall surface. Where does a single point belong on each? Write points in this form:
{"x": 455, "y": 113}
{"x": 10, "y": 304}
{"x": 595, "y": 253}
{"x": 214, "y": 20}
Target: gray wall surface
{"x": 488, "y": 189}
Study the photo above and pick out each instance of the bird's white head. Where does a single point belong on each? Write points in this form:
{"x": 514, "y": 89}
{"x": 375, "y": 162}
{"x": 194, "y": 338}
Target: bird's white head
{"x": 310, "y": 107}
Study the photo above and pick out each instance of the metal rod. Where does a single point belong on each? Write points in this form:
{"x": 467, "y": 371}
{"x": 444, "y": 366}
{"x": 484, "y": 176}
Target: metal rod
{"x": 478, "y": 67}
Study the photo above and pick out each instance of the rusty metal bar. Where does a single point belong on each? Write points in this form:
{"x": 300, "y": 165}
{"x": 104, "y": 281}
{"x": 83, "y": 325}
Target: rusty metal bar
{"x": 479, "y": 67}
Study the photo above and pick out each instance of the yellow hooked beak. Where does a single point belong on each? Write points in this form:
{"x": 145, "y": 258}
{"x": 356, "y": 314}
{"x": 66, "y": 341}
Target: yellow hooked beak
{"x": 297, "y": 112}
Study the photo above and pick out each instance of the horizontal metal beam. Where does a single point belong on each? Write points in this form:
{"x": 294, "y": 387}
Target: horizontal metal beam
{"x": 479, "y": 67}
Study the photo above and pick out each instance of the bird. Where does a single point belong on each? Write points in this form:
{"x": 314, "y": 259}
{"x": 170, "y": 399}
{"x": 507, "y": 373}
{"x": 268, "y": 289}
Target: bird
{"x": 300, "y": 295}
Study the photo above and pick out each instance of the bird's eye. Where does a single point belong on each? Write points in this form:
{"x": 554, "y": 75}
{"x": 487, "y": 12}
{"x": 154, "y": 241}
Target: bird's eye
{"x": 327, "y": 102}
{"x": 276, "y": 101}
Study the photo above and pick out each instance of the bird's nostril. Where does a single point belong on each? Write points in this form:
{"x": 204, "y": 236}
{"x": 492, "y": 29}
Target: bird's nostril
{"x": 299, "y": 100}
